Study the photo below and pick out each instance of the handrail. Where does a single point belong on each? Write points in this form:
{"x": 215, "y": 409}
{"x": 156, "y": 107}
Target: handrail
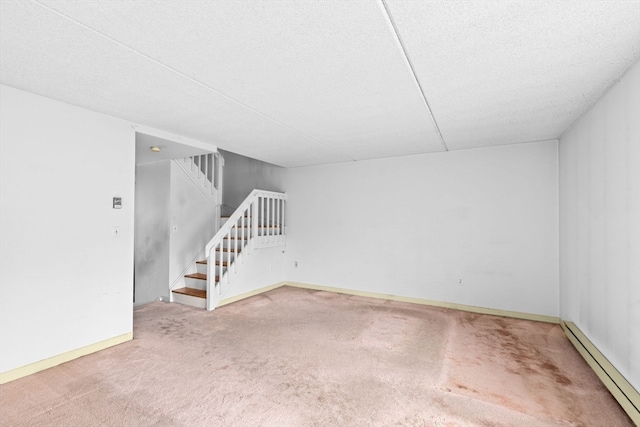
{"x": 208, "y": 169}
{"x": 257, "y": 223}
{"x": 207, "y": 190}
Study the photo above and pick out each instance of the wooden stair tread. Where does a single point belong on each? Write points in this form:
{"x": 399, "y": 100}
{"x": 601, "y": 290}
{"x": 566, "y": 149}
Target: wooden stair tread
{"x": 199, "y": 276}
{"x": 198, "y": 293}
{"x": 204, "y": 262}
{"x": 260, "y": 226}
{"x": 227, "y": 250}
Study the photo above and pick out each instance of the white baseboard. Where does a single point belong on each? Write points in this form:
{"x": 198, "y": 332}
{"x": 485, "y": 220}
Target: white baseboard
{"x": 50, "y": 362}
{"x": 249, "y": 294}
{"x": 462, "y": 307}
{"x": 626, "y": 395}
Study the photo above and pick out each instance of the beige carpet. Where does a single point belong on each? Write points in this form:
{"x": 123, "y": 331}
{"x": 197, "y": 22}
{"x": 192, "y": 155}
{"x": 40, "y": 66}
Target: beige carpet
{"x": 296, "y": 357}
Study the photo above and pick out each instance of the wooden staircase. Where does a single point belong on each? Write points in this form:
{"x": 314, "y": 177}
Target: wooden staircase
{"x": 259, "y": 222}
{"x": 195, "y": 291}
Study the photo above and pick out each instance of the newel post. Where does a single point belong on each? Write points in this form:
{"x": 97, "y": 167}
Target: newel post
{"x": 254, "y": 221}
{"x": 211, "y": 271}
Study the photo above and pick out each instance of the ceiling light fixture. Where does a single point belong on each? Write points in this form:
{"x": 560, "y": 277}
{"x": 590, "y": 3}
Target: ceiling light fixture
{"x": 155, "y": 149}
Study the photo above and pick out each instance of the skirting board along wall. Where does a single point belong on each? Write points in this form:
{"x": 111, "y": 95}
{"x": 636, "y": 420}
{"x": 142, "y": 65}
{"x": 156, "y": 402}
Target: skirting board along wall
{"x": 250, "y": 294}
{"x": 626, "y": 395}
{"x": 619, "y": 387}
{"x": 50, "y": 362}
{"x": 462, "y": 307}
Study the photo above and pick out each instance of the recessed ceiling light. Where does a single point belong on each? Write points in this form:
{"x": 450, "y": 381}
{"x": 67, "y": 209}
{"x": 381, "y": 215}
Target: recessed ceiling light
{"x": 155, "y": 149}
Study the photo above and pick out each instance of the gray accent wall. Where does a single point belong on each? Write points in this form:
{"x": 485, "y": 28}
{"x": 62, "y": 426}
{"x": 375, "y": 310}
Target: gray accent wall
{"x": 243, "y": 174}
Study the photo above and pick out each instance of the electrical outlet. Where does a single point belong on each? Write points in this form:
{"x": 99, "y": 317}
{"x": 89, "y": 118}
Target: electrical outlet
{"x": 460, "y": 282}
{"x": 295, "y": 264}
{"x": 116, "y": 231}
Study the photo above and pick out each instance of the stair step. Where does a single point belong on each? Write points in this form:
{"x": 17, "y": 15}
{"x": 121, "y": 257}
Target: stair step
{"x": 227, "y": 250}
{"x": 239, "y": 238}
{"x": 198, "y": 293}
{"x": 260, "y": 226}
{"x": 199, "y": 276}
{"x": 204, "y": 262}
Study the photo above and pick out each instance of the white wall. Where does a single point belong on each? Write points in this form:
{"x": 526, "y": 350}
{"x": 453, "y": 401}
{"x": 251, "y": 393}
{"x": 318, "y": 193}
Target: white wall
{"x": 261, "y": 268}
{"x": 412, "y": 226}
{"x": 244, "y": 174}
{"x": 65, "y": 281}
{"x": 192, "y": 222}
{"x": 174, "y": 222}
{"x": 600, "y": 225}
{"x": 152, "y": 231}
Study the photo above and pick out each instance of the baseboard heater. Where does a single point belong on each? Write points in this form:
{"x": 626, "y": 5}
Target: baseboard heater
{"x": 627, "y": 396}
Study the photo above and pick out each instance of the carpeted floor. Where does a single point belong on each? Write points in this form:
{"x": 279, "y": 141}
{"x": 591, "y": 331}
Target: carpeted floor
{"x": 297, "y": 357}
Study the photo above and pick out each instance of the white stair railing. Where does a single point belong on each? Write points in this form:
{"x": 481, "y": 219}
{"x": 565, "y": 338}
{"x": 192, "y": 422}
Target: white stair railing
{"x": 206, "y": 171}
{"x": 259, "y": 222}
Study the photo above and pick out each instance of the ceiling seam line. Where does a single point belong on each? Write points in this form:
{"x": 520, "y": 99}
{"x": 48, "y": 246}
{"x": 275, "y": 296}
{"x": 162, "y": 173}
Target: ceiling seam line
{"x": 403, "y": 48}
{"x": 181, "y": 74}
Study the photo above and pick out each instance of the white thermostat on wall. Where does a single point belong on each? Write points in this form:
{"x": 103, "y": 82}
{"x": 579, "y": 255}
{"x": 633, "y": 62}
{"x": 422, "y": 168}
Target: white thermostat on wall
{"x": 117, "y": 203}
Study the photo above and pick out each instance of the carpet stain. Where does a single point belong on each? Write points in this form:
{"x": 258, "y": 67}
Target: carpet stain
{"x": 522, "y": 365}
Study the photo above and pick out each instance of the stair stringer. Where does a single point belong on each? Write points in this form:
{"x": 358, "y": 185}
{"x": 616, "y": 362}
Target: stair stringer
{"x": 180, "y": 281}
{"x": 192, "y": 223}
{"x": 204, "y": 173}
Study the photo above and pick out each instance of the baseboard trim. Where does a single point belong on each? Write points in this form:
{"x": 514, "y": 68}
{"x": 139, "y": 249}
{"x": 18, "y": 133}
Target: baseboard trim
{"x": 626, "y": 395}
{"x": 50, "y": 362}
{"x": 249, "y": 294}
{"x": 462, "y": 307}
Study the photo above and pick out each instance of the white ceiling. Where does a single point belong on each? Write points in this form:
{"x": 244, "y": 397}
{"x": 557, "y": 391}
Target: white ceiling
{"x": 168, "y": 149}
{"x": 298, "y": 83}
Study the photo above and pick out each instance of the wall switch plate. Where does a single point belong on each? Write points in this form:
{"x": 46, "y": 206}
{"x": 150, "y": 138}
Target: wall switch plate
{"x": 117, "y": 203}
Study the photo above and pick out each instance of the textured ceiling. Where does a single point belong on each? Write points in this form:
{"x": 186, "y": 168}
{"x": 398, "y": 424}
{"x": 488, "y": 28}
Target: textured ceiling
{"x": 168, "y": 149}
{"x": 299, "y": 83}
